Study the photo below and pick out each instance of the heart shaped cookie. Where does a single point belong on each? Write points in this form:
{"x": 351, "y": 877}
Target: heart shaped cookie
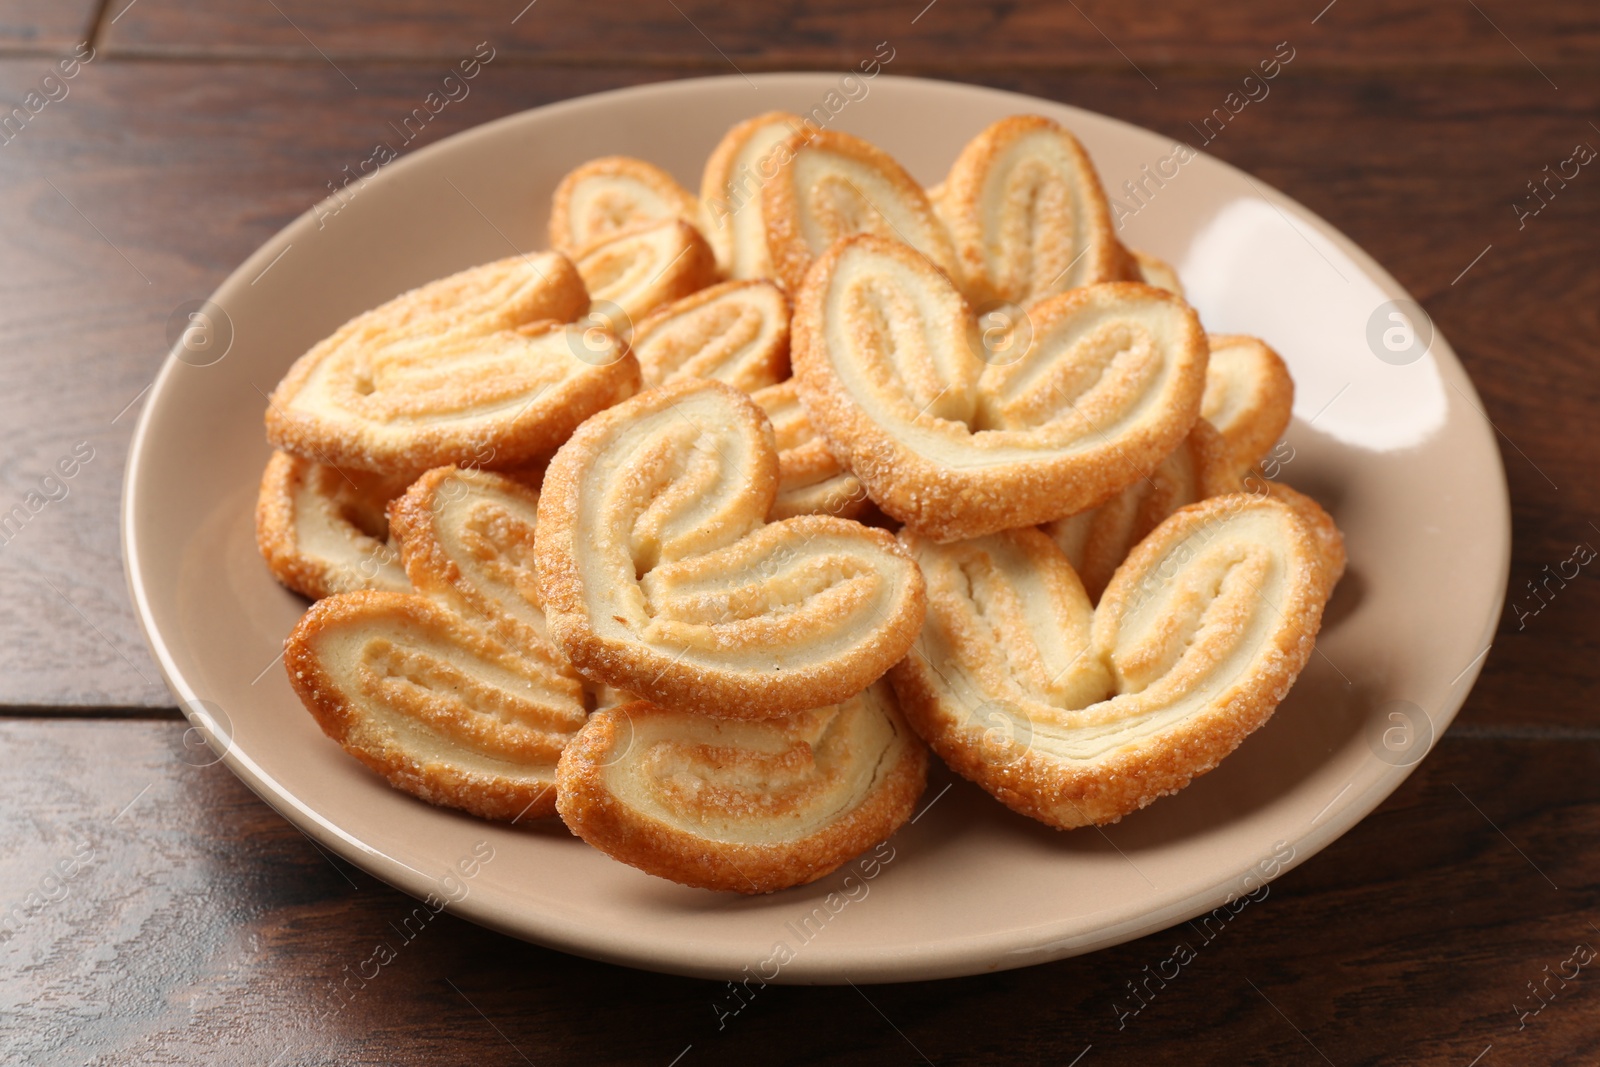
{"x": 476, "y": 369}
{"x": 1077, "y": 715}
{"x": 434, "y": 705}
{"x": 660, "y": 575}
{"x": 1027, "y": 216}
{"x": 832, "y": 185}
{"x": 615, "y": 193}
{"x": 744, "y": 806}
{"x": 956, "y": 441}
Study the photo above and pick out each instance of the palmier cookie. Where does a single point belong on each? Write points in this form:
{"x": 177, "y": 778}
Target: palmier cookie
{"x": 736, "y": 332}
{"x": 606, "y": 196}
{"x": 833, "y": 185}
{"x": 810, "y": 480}
{"x": 892, "y": 371}
{"x": 323, "y": 531}
{"x": 660, "y": 575}
{"x": 473, "y": 369}
{"x": 434, "y": 705}
{"x": 744, "y": 161}
{"x": 467, "y": 540}
{"x": 745, "y": 806}
{"x": 1027, "y": 216}
{"x": 1249, "y": 396}
{"x": 640, "y": 269}
{"x": 1076, "y": 715}
{"x": 1096, "y": 541}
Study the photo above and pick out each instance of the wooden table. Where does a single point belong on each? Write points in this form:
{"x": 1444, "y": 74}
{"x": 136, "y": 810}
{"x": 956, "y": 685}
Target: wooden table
{"x": 162, "y": 914}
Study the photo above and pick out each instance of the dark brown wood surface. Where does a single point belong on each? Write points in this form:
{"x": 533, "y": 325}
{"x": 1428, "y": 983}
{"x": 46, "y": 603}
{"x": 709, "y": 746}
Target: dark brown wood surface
{"x": 46, "y": 26}
{"x": 836, "y": 33}
{"x": 195, "y": 919}
{"x": 198, "y": 926}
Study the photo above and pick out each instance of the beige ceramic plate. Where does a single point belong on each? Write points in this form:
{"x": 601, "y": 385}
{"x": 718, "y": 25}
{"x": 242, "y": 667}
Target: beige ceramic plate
{"x": 1388, "y": 435}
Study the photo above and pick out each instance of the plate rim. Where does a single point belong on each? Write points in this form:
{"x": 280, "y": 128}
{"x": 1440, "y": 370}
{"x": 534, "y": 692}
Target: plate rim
{"x": 945, "y": 958}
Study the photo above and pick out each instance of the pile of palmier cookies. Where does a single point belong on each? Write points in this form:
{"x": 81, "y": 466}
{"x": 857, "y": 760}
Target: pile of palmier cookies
{"x": 700, "y": 529}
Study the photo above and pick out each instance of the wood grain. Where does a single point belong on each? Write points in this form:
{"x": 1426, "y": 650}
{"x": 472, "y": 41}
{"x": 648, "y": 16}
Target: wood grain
{"x": 198, "y": 926}
{"x": 942, "y": 35}
{"x": 116, "y": 205}
{"x": 203, "y": 928}
{"x": 46, "y": 26}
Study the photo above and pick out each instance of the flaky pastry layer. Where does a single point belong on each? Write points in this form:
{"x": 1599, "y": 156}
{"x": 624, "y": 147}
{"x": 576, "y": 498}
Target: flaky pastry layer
{"x": 736, "y": 332}
{"x": 660, "y": 575}
{"x": 467, "y": 541}
{"x": 476, "y": 369}
{"x": 749, "y": 156}
{"x": 1076, "y": 715}
{"x": 646, "y": 267}
{"x": 810, "y": 480}
{"x": 1249, "y": 396}
{"x": 750, "y": 807}
{"x": 955, "y": 442}
{"x": 437, "y": 707}
{"x": 323, "y": 531}
{"x": 833, "y": 185}
{"x": 614, "y": 193}
{"x": 1027, "y": 216}
{"x": 1248, "y": 387}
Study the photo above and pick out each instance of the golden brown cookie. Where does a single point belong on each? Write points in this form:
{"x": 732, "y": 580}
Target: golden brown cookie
{"x": 1076, "y": 715}
{"x": 437, "y": 707}
{"x": 659, "y": 573}
{"x": 1027, "y": 216}
{"x": 1249, "y": 396}
{"x": 474, "y": 369}
{"x": 744, "y": 806}
{"x": 744, "y": 161}
{"x": 615, "y": 193}
{"x": 640, "y": 269}
{"x": 956, "y": 442}
{"x": 833, "y": 185}
{"x": 323, "y": 531}
{"x": 736, "y": 332}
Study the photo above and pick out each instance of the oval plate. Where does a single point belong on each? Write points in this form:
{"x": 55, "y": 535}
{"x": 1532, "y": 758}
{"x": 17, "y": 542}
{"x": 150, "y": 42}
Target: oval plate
{"x": 1388, "y": 435}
